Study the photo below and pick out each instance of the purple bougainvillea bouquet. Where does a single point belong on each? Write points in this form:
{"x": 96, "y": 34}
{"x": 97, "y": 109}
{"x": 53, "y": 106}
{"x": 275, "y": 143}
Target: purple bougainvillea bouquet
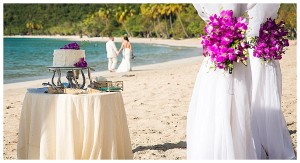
{"x": 271, "y": 42}
{"x": 225, "y": 41}
{"x": 72, "y": 45}
{"x": 81, "y": 63}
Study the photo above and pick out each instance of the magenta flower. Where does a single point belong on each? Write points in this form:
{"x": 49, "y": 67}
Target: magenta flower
{"x": 225, "y": 40}
{"x": 72, "y": 45}
{"x": 226, "y": 14}
{"x": 271, "y": 42}
{"x": 81, "y": 63}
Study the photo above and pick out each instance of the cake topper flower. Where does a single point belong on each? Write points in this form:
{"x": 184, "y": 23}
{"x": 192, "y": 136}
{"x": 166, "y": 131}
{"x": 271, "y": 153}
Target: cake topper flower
{"x": 81, "y": 63}
{"x": 225, "y": 40}
{"x": 72, "y": 45}
{"x": 271, "y": 42}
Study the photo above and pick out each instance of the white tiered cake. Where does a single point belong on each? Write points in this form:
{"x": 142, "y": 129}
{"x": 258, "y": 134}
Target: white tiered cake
{"x": 67, "y": 57}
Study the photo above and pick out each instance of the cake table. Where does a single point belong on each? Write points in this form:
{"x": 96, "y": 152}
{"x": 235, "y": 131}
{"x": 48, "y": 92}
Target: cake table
{"x": 70, "y": 69}
{"x": 65, "y": 126}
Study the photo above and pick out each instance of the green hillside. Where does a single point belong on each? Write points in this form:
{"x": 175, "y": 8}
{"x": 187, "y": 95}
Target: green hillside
{"x": 138, "y": 20}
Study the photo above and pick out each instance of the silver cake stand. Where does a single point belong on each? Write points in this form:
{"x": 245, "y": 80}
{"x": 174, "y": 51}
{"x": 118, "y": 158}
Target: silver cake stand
{"x": 72, "y": 76}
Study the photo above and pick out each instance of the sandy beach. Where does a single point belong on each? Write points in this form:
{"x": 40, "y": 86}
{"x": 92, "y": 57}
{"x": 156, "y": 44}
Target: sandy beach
{"x": 156, "y": 99}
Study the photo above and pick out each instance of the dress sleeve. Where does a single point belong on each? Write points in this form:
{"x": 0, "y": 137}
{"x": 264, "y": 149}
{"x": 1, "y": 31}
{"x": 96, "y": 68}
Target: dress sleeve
{"x": 259, "y": 14}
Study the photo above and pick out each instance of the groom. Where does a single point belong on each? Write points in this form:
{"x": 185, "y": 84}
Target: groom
{"x": 112, "y": 54}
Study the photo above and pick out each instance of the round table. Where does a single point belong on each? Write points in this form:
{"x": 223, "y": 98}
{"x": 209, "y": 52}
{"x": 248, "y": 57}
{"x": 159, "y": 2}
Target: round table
{"x": 65, "y": 126}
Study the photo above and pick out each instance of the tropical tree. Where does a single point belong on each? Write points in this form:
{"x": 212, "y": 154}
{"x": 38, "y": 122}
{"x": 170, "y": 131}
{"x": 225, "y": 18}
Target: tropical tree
{"x": 177, "y": 9}
{"x": 170, "y": 13}
{"x": 139, "y": 26}
{"x": 122, "y": 13}
{"x": 38, "y": 26}
{"x": 150, "y": 11}
{"x": 92, "y": 25}
{"x": 105, "y": 13}
{"x": 193, "y": 24}
{"x": 288, "y": 13}
{"x": 30, "y": 26}
{"x": 163, "y": 10}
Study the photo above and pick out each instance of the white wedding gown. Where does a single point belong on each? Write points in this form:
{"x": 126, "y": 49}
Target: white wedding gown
{"x": 125, "y": 64}
{"x": 218, "y": 120}
{"x": 270, "y": 132}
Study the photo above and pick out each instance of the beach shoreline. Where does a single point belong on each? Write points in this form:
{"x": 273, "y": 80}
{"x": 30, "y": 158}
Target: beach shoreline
{"x": 98, "y": 45}
{"x": 156, "y": 99}
{"x": 35, "y": 82}
{"x": 189, "y": 42}
{"x": 193, "y": 42}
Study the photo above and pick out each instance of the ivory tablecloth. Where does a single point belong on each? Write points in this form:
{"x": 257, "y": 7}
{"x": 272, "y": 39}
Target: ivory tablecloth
{"x": 64, "y": 126}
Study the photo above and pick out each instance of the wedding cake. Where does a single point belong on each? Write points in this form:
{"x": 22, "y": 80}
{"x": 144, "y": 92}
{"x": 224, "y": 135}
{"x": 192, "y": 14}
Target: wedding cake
{"x": 67, "y": 57}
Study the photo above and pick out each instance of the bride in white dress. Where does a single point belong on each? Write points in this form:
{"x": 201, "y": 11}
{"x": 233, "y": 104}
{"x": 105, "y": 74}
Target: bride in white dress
{"x": 218, "y": 120}
{"x": 127, "y": 51}
{"x": 270, "y": 132}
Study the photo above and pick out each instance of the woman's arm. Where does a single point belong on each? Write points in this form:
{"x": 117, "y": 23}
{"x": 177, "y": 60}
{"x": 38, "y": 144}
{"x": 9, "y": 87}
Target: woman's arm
{"x": 130, "y": 46}
{"x": 114, "y": 48}
{"x": 131, "y": 52}
{"x": 121, "y": 48}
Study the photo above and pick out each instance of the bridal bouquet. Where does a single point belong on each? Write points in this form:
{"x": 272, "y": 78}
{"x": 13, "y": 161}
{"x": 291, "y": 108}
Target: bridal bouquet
{"x": 225, "y": 40}
{"x": 271, "y": 42}
{"x": 72, "y": 45}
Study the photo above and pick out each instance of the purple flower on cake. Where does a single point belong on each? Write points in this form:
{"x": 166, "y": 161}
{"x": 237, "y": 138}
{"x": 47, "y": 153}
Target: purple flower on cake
{"x": 81, "y": 63}
{"x": 225, "y": 40}
{"x": 72, "y": 45}
{"x": 271, "y": 42}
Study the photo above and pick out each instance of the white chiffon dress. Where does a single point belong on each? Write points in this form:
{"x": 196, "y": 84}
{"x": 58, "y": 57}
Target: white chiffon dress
{"x": 218, "y": 120}
{"x": 270, "y": 132}
{"x": 125, "y": 64}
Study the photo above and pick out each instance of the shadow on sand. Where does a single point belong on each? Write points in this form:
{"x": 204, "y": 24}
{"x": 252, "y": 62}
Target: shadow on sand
{"x": 163, "y": 147}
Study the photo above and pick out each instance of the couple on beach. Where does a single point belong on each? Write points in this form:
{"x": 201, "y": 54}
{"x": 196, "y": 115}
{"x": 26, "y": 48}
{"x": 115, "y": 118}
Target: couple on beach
{"x": 238, "y": 115}
{"x": 113, "y": 53}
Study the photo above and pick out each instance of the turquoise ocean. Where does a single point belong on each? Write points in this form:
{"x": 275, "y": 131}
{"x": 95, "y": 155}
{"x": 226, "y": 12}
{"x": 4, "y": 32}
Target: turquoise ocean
{"x": 27, "y": 59}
